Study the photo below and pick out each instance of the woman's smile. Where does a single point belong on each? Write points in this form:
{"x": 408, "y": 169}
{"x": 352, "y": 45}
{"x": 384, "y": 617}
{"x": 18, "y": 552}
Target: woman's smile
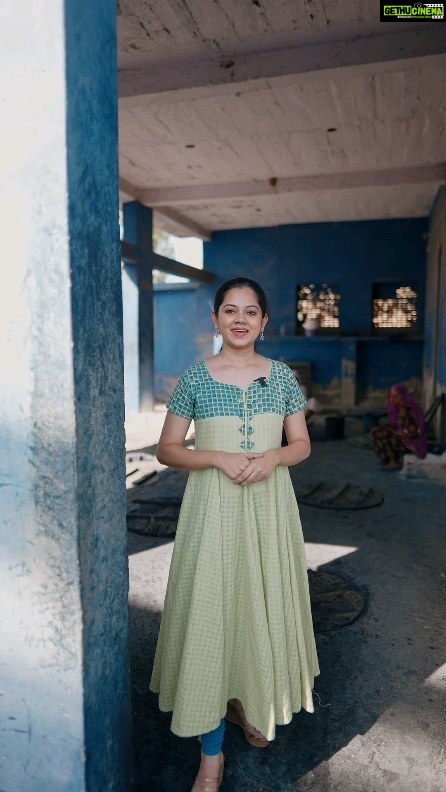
{"x": 240, "y": 318}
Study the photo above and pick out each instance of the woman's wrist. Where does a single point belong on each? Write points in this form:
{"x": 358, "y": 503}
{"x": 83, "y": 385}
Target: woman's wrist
{"x": 293, "y": 453}
{"x": 274, "y": 456}
{"x": 217, "y": 459}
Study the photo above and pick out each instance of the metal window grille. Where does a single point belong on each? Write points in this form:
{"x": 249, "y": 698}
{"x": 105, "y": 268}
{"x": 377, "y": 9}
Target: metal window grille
{"x": 318, "y": 302}
{"x": 399, "y": 311}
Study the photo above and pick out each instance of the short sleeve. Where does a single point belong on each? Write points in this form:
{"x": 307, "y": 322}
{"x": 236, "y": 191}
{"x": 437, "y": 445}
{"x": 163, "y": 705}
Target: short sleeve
{"x": 295, "y": 401}
{"x": 182, "y": 400}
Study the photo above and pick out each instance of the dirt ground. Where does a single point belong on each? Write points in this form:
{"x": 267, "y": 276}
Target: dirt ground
{"x": 379, "y": 721}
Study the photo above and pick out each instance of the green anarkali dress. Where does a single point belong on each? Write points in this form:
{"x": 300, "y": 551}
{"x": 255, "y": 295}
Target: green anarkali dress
{"x": 237, "y": 620}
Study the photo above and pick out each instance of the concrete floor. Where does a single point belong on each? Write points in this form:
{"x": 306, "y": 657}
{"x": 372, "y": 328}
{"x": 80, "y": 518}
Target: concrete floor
{"x": 379, "y": 723}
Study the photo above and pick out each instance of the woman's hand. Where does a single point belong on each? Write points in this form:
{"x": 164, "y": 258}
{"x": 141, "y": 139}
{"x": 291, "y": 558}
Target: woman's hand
{"x": 234, "y": 465}
{"x": 407, "y": 425}
{"x": 259, "y": 467}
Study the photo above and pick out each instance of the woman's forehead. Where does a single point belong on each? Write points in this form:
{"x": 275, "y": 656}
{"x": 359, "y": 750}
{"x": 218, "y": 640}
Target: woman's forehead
{"x": 241, "y": 295}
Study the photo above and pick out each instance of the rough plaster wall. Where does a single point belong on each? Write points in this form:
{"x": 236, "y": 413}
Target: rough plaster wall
{"x": 41, "y": 709}
{"x": 63, "y": 571}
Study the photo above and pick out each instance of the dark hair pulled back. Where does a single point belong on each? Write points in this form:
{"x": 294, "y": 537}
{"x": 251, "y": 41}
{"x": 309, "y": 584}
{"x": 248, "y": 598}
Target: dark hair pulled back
{"x": 241, "y": 283}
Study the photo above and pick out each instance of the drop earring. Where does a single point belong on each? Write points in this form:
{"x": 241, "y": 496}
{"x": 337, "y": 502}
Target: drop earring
{"x": 261, "y": 336}
{"x": 216, "y": 331}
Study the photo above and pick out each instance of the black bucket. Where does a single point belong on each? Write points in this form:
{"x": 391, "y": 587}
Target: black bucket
{"x": 334, "y": 427}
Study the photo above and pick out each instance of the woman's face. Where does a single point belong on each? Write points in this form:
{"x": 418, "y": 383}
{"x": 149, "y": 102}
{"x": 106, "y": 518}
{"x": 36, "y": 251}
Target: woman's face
{"x": 395, "y": 397}
{"x": 239, "y": 318}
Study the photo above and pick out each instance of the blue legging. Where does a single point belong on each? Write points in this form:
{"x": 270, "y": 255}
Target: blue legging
{"x": 212, "y": 741}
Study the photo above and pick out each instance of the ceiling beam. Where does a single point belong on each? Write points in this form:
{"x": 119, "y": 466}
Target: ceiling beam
{"x": 166, "y": 218}
{"x": 177, "y": 224}
{"x": 177, "y": 268}
{"x": 133, "y": 254}
{"x": 169, "y": 196}
{"x": 128, "y": 190}
{"x": 396, "y": 46}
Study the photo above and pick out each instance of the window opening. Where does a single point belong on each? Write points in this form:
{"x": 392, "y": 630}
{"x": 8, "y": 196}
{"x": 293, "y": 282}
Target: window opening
{"x": 187, "y": 250}
{"x": 318, "y": 304}
{"x": 396, "y": 311}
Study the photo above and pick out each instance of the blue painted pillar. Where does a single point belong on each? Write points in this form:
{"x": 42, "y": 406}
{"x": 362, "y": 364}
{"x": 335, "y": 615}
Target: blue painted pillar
{"x": 138, "y": 231}
{"x": 64, "y": 703}
{"x": 348, "y": 372}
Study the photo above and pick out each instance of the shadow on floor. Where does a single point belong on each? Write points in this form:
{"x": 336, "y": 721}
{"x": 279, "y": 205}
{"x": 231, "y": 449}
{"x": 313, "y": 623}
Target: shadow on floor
{"x": 165, "y": 763}
{"x": 374, "y": 673}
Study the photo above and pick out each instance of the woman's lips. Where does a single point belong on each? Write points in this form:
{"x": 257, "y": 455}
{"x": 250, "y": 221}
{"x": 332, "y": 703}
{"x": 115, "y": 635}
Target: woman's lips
{"x": 239, "y": 331}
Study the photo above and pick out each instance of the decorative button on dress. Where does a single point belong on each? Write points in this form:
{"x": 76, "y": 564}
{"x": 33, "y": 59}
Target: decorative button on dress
{"x": 237, "y": 620}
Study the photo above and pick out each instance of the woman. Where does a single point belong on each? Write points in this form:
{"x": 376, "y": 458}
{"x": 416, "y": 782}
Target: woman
{"x": 406, "y": 431}
{"x": 236, "y": 635}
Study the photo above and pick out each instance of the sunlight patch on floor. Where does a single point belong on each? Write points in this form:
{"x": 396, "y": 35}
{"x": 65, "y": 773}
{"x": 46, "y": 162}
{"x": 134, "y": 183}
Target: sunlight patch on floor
{"x": 437, "y": 679}
{"x": 319, "y": 554}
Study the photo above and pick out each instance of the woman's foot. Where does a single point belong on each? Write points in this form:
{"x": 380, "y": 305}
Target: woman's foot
{"x": 236, "y": 714}
{"x": 210, "y": 774}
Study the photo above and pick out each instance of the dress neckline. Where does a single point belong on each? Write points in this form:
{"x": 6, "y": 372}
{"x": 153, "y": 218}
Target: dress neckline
{"x": 232, "y": 385}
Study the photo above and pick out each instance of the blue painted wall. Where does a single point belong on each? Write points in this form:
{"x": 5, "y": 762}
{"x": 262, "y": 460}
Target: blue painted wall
{"x": 383, "y": 362}
{"x": 182, "y": 332}
{"x": 435, "y": 323}
{"x": 435, "y": 326}
{"x": 348, "y": 256}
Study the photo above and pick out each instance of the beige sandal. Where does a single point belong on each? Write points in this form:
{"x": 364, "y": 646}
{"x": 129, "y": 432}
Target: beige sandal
{"x": 235, "y": 715}
{"x": 209, "y": 784}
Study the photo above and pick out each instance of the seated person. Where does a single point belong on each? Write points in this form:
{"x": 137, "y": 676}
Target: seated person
{"x": 405, "y": 432}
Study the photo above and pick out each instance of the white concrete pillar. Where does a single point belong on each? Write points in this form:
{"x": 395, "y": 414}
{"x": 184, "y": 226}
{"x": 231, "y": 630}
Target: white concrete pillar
{"x": 64, "y": 692}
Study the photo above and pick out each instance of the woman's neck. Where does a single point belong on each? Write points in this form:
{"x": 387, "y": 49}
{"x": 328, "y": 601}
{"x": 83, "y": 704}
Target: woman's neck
{"x": 238, "y": 358}
{"x": 239, "y": 368}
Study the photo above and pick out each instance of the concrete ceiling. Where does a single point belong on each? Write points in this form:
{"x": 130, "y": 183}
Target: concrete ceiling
{"x": 242, "y": 113}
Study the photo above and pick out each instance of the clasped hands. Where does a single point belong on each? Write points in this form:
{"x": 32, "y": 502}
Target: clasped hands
{"x": 248, "y": 468}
